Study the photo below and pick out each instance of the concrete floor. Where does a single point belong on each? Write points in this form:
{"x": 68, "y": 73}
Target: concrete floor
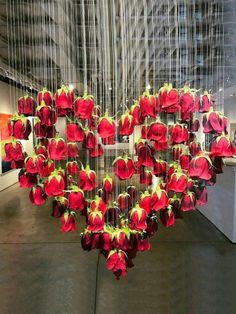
{"x": 191, "y": 269}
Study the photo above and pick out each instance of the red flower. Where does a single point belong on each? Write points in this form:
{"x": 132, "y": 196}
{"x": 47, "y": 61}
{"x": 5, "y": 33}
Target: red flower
{"x": 64, "y": 99}
{"x": 59, "y": 206}
{"x": 107, "y": 183}
{"x": 108, "y": 140}
{"x": 123, "y": 201}
{"x": 177, "y": 182}
{"x": 132, "y": 191}
{"x": 37, "y": 195}
{"x": 87, "y": 179}
{"x": 146, "y": 177}
{"x": 45, "y": 96}
{"x": 106, "y": 241}
{"x": 98, "y": 205}
{"x": 160, "y": 168}
{"x": 207, "y": 102}
{"x": 178, "y": 134}
{"x": 212, "y": 122}
{"x": 13, "y": 151}
{"x": 147, "y": 105}
{"x": 95, "y": 221}
{"x": 84, "y": 107}
{"x": 195, "y": 148}
{"x": 34, "y": 163}
{"x": 138, "y": 218}
{"x": 124, "y": 167}
{"x": 26, "y": 180}
{"x": 159, "y": 199}
{"x": 72, "y": 150}
{"x": 96, "y": 151}
{"x": 126, "y": 124}
{"x": 46, "y": 114}
{"x": 116, "y": 262}
{"x": 177, "y": 151}
{"x": 145, "y": 201}
{"x": 143, "y": 243}
{"x": 187, "y": 103}
{"x": 135, "y": 111}
{"x": 55, "y": 184}
{"x": 47, "y": 168}
{"x": 41, "y": 150}
{"x": 76, "y": 198}
{"x": 160, "y": 146}
{"x": 169, "y": 99}
{"x": 184, "y": 161}
{"x": 167, "y": 217}
{"x": 121, "y": 239}
{"x": 40, "y": 130}
{"x": 26, "y": 106}
{"x": 201, "y": 195}
{"x": 90, "y": 140}
{"x": 194, "y": 125}
{"x": 152, "y": 225}
{"x": 144, "y": 131}
{"x": 105, "y": 195}
{"x": 222, "y": 147}
{"x": 57, "y": 149}
{"x": 157, "y": 132}
{"x": 68, "y": 222}
{"x": 20, "y": 128}
{"x": 106, "y": 126}
{"x": 72, "y": 167}
{"x": 146, "y": 156}
{"x": 188, "y": 202}
{"x": 75, "y": 132}
{"x": 199, "y": 167}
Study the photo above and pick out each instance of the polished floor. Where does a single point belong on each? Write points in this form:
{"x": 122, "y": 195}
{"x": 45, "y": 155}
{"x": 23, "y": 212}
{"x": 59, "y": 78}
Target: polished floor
{"x": 191, "y": 269}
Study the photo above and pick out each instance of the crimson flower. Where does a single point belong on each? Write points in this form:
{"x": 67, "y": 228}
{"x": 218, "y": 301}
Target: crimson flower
{"x": 124, "y": 167}
{"x": 126, "y": 124}
{"x": 87, "y": 179}
{"x": 83, "y": 107}
{"x": 57, "y": 149}
{"x": 116, "y": 262}
{"x": 37, "y": 195}
{"x": 199, "y": 167}
{"x": 55, "y": 184}
{"x": 138, "y": 218}
{"x": 26, "y": 106}
{"x": 68, "y": 222}
{"x": 106, "y": 126}
{"x": 45, "y": 96}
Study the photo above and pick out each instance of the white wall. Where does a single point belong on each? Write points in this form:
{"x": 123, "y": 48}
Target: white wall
{"x": 8, "y": 104}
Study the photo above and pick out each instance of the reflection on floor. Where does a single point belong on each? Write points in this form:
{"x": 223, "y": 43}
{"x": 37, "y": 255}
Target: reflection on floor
{"x": 190, "y": 268}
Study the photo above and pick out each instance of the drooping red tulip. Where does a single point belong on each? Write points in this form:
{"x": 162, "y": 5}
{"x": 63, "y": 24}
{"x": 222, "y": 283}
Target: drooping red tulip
{"x": 178, "y": 134}
{"x": 167, "y": 217}
{"x": 116, "y": 262}
{"x": 184, "y": 161}
{"x": 207, "y": 101}
{"x": 133, "y": 192}
{"x": 146, "y": 156}
{"x": 45, "y": 96}
{"x": 123, "y": 201}
{"x": 34, "y": 163}
{"x": 107, "y": 183}
{"x": 26, "y": 106}
{"x": 194, "y": 125}
{"x": 105, "y": 195}
{"x": 40, "y": 149}
{"x": 138, "y": 218}
{"x": 76, "y": 198}
{"x": 90, "y": 140}
{"x": 72, "y": 167}
{"x": 152, "y": 224}
{"x": 87, "y": 179}
{"x": 177, "y": 182}
{"x": 46, "y": 114}
{"x": 160, "y": 147}
{"x": 147, "y": 103}
{"x": 40, "y": 130}
{"x": 123, "y": 167}
{"x": 188, "y": 202}
{"x": 199, "y": 167}
{"x": 121, "y": 238}
{"x": 47, "y": 168}
{"x": 96, "y": 221}
{"x": 96, "y": 151}
{"x": 55, "y": 184}
{"x": 106, "y": 126}
{"x": 20, "y": 127}
{"x": 212, "y": 122}
{"x": 222, "y": 147}
{"x": 145, "y": 201}
{"x": 169, "y": 99}
{"x": 146, "y": 177}
{"x": 195, "y": 148}
{"x": 64, "y": 99}
{"x": 98, "y": 204}
{"x": 201, "y": 195}
{"x": 13, "y": 151}
{"x": 37, "y": 195}
{"x": 57, "y": 149}
{"x": 108, "y": 140}
{"x": 68, "y": 222}
{"x": 157, "y": 131}
{"x": 143, "y": 243}
{"x": 126, "y": 124}
{"x": 26, "y": 180}
{"x": 72, "y": 150}
{"x": 159, "y": 199}
{"x": 59, "y": 206}
{"x": 187, "y": 103}
{"x": 135, "y": 111}
{"x": 106, "y": 241}
{"x": 177, "y": 150}
{"x": 83, "y": 107}
{"x": 160, "y": 168}
{"x": 75, "y": 132}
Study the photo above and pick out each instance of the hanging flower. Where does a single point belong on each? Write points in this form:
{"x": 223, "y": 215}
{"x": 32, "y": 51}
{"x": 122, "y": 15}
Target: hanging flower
{"x": 146, "y": 177}
{"x": 184, "y": 161}
{"x": 72, "y": 150}
{"x": 157, "y": 132}
{"x": 106, "y": 241}
{"x": 167, "y": 217}
{"x": 133, "y": 193}
{"x": 123, "y": 201}
{"x": 87, "y": 179}
{"x": 75, "y": 132}
{"x": 199, "y": 167}
{"x": 98, "y": 205}
{"x": 194, "y": 125}
{"x": 40, "y": 130}
{"x": 159, "y": 199}
{"x": 26, "y": 180}
{"x": 96, "y": 151}
{"x": 59, "y": 206}
{"x": 90, "y": 140}
{"x": 126, "y": 124}
{"x": 26, "y": 106}
{"x": 116, "y": 262}
{"x": 46, "y": 114}
{"x": 212, "y": 122}
{"x": 123, "y": 167}
{"x": 96, "y": 221}
{"x": 138, "y": 218}
{"x": 41, "y": 150}
{"x": 107, "y": 183}
{"x": 72, "y": 167}
{"x": 178, "y": 134}
{"x": 169, "y": 99}
{"x": 64, "y": 99}
{"x": 76, "y": 198}
{"x": 222, "y": 147}
{"x": 195, "y": 148}
{"x": 20, "y": 128}
{"x": 207, "y": 101}
{"x": 45, "y": 96}
{"x": 34, "y": 163}
{"x": 146, "y": 156}
{"x": 177, "y": 182}
{"x": 68, "y": 222}
{"x": 145, "y": 201}
{"x": 121, "y": 238}
{"x": 187, "y": 103}
{"x": 106, "y": 126}
{"x": 188, "y": 202}
{"x": 143, "y": 243}
{"x": 37, "y": 195}
{"x": 135, "y": 111}
{"x": 201, "y": 195}
{"x": 13, "y": 151}
{"x": 83, "y": 107}
{"x": 108, "y": 140}
{"x": 160, "y": 168}
{"x": 147, "y": 104}
{"x": 57, "y": 149}
{"x": 55, "y": 184}
{"x": 47, "y": 168}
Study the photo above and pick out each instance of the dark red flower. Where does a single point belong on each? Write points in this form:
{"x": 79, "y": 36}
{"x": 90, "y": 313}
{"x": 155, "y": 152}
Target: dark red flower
{"x": 26, "y": 180}
{"x": 207, "y": 102}
{"x": 37, "y": 195}
{"x": 96, "y": 221}
{"x": 124, "y": 167}
{"x": 199, "y": 167}
{"x": 169, "y": 99}
{"x": 126, "y": 124}
{"x": 47, "y": 168}
{"x": 75, "y": 132}
{"x": 106, "y": 241}
{"x": 76, "y": 198}
{"x": 64, "y": 99}
{"x": 135, "y": 111}
{"x": 40, "y": 130}
{"x": 67, "y": 222}
{"x": 145, "y": 201}
{"x": 59, "y": 206}
{"x": 96, "y": 151}
{"x": 116, "y": 262}
{"x": 107, "y": 183}
{"x": 45, "y": 96}
{"x": 177, "y": 150}
{"x": 178, "y": 134}
{"x": 157, "y": 132}
{"x": 55, "y": 184}
{"x": 13, "y": 151}
{"x": 108, "y": 140}
{"x": 194, "y": 126}
{"x": 72, "y": 150}
{"x": 152, "y": 225}
{"x": 201, "y": 195}
{"x": 147, "y": 105}
{"x": 46, "y": 114}
{"x": 105, "y": 195}
{"x": 41, "y": 150}
{"x": 195, "y": 148}
{"x": 123, "y": 201}
{"x": 106, "y": 126}
{"x": 57, "y": 149}
{"x": 188, "y": 202}
{"x": 87, "y": 179}
{"x": 138, "y": 218}
{"x": 160, "y": 168}
{"x": 26, "y": 106}
{"x": 177, "y": 182}
{"x": 146, "y": 156}
{"x": 146, "y": 177}
{"x": 83, "y": 107}
{"x": 143, "y": 243}
{"x": 20, "y": 128}
{"x": 159, "y": 199}
{"x": 90, "y": 140}
{"x": 98, "y": 204}
{"x": 222, "y": 147}
{"x": 72, "y": 167}
{"x": 160, "y": 146}
{"x": 132, "y": 191}
{"x": 34, "y": 163}
{"x": 184, "y": 161}
{"x": 212, "y": 122}
{"x": 167, "y": 217}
